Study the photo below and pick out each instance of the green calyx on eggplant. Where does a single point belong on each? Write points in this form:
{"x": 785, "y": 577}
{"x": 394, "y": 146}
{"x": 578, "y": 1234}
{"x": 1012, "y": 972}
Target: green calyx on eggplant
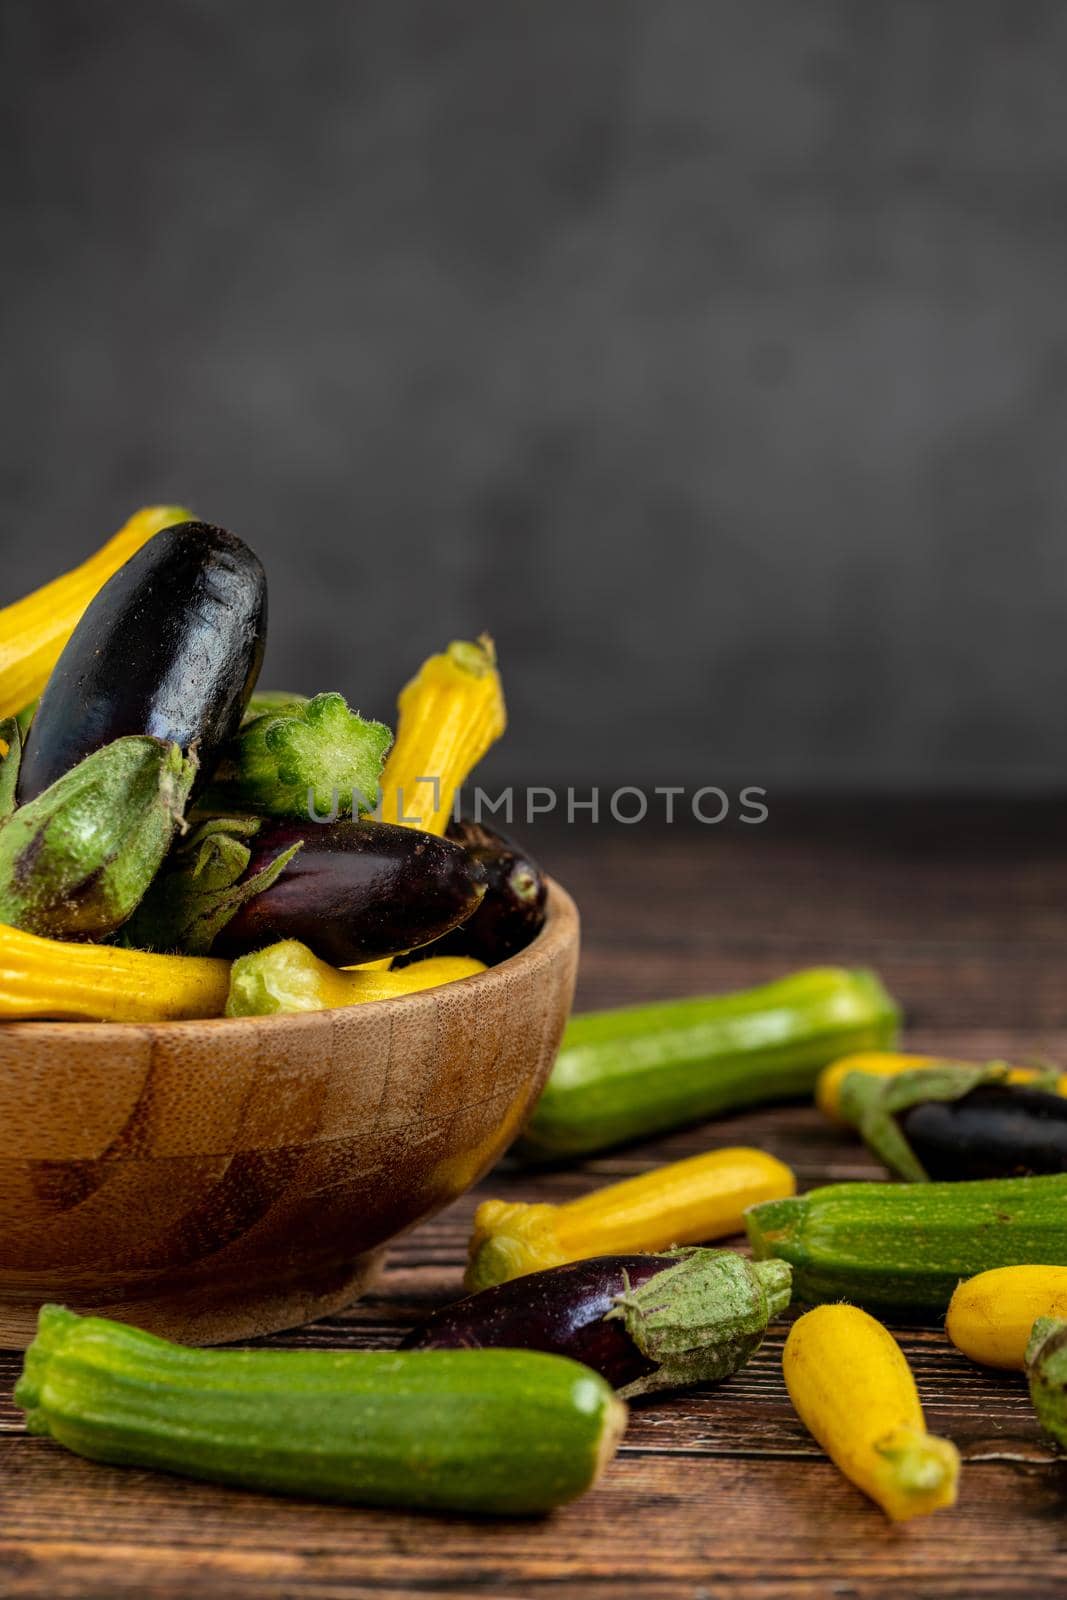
{"x": 351, "y": 891}
{"x": 512, "y": 911}
{"x": 1046, "y": 1371}
{"x": 76, "y": 861}
{"x": 11, "y": 735}
{"x": 205, "y": 880}
{"x": 958, "y": 1123}
{"x": 644, "y": 1322}
{"x": 315, "y": 759}
{"x": 170, "y": 648}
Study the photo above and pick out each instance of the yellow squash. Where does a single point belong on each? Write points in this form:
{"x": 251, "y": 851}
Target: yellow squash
{"x": 991, "y": 1316}
{"x": 448, "y": 716}
{"x": 34, "y": 630}
{"x": 853, "y": 1390}
{"x": 887, "y": 1063}
{"x": 288, "y": 977}
{"x": 103, "y": 983}
{"x": 687, "y": 1202}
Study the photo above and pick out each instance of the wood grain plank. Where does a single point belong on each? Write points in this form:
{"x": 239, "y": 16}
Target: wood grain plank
{"x": 719, "y": 1490}
{"x": 757, "y": 1527}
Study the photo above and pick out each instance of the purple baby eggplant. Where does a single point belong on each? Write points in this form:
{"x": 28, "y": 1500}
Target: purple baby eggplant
{"x": 512, "y": 911}
{"x": 350, "y": 891}
{"x": 644, "y": 1322}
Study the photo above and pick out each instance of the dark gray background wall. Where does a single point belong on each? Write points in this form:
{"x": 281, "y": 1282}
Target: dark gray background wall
{"x": 712, "y": 353}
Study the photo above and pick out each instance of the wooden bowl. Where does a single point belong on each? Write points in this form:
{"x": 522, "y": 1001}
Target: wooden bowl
{"x": 215, "y": 1180}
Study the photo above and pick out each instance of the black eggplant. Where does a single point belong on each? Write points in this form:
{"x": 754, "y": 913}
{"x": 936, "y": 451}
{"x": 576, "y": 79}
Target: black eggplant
{"x": 512, "y": 911}
{"x": 350, "y": 891}
{"x": 997, "y": 1130}
{"x": 958, "y": 1123}
{"x": 644, "y": 1322}
{"x": 171, "y": 647}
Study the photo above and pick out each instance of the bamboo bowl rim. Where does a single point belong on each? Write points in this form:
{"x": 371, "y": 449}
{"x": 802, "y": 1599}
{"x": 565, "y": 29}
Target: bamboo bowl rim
{"x": 560, "y": 928}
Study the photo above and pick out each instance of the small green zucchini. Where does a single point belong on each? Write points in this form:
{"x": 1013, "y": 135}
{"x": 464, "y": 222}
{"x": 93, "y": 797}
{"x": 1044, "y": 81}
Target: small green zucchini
{"x": 502, "y": 1431}
{"x": 640, "y": 1070}
{"x": 903, "y": 1247}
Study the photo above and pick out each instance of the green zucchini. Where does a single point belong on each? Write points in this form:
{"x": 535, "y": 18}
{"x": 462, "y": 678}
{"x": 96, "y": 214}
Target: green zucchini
{"x": 903, "y": 1247}
{"x": 640, "y": 1070}
{"x": 503, "y": 1431}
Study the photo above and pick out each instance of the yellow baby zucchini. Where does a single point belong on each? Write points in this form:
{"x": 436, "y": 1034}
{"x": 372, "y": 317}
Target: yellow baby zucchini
{"x": 103, "y": 983}
{"x": 990, "y": 1316}
{"x": 853, "y": 1390}
{"x": 877, "y": 1063}
{"x": 687, "y": 1202}
{"x": 888, "y": 1063}
{"x": 448, "y": 716}
{"x": 288, "y": 977}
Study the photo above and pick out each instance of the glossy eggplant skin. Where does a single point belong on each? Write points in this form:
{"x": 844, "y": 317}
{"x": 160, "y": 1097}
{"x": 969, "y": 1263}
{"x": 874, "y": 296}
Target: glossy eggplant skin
{"x": 355, "y": 891}
{"x": 560, "y": 1311}
{"x": 995, "y": 1131}
{"x": 170, "y": 647}
{"x": 512, "y": 912}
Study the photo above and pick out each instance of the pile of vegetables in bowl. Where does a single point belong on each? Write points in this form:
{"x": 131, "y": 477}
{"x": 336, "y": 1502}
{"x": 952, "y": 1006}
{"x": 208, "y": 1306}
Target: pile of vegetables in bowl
{"x": 201, "y": 849}
{"x": 160, "y": 857}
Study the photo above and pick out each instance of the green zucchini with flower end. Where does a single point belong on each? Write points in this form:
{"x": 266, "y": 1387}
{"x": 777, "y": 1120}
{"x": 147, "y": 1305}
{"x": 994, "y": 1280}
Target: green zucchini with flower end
{"x": 76, "y": 861}
{"x": 312, "y": 759}
{"x": 510, "y": 1432}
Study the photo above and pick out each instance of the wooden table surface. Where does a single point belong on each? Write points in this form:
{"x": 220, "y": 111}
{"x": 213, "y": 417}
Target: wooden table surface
{"x": 716, "y": 1491}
